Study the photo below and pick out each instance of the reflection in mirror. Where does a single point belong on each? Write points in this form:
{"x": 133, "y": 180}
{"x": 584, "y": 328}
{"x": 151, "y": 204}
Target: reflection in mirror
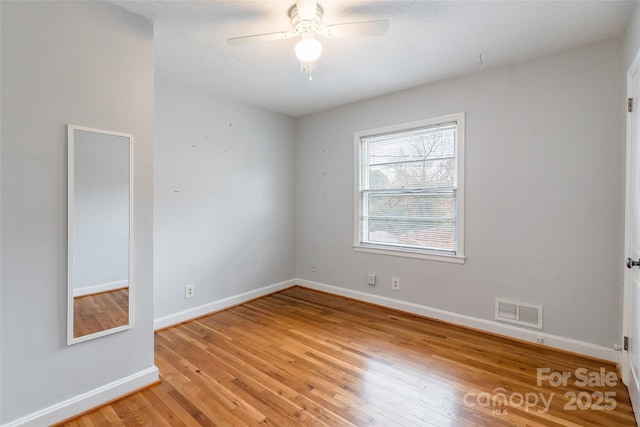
{"x": 100, "y": 183}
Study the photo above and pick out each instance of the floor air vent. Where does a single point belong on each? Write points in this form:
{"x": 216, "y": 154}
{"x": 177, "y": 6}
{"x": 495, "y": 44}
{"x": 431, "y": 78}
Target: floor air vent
{"x": 520, "y": 314}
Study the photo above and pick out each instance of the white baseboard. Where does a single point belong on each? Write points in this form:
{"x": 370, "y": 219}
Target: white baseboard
{"x": 78, "y": 404}
{"x": 524, "y": 334}
{"x": 202, "y": 310}
{"x": 102, "y": 287}
{"x": 98, "y": 396}
{"x": 554, "y": 341}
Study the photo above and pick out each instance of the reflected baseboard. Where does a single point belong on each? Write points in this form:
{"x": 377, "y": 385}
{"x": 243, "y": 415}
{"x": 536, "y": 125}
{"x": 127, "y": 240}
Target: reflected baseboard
{"x": 102, "y": 287}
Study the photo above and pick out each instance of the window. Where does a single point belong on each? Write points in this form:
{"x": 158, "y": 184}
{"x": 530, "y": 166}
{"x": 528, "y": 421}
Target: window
{"x": 409, "y": 185}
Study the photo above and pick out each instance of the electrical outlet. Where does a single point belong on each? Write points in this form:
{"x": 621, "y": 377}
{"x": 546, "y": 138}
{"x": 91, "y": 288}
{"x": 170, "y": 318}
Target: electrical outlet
{"x": 188, "y": 291}
{"x": 372, "y": 279}
{"x": 395, "y": 283}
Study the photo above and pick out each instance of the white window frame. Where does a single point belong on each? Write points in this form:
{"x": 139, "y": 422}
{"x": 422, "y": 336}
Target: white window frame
{"x": 359, "y": 246}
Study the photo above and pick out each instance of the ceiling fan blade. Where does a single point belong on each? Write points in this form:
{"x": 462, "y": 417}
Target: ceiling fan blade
{"x": 257, "y": 38}
{"x": 354, "y": 29}
{"x": 307, "y": 9}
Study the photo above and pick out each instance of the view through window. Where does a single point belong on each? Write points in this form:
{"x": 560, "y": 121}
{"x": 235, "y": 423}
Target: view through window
{"x": 409, "y": 187}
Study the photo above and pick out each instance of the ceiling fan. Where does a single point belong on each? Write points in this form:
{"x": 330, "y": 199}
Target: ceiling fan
{"x": 306, "y": 20}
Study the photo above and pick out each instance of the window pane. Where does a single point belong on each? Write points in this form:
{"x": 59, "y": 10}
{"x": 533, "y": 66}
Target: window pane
{"x": 430, "y": 207}
{"x": 408, "y": 182}
{"x": 437, "y": 235}
{"x": 421, "y": 174}
{"x": 428, "y": 144}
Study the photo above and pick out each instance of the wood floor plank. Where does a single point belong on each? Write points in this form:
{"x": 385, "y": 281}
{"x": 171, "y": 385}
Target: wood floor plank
{"x": 99, "y": 312}
{"x": 301, "y": 357}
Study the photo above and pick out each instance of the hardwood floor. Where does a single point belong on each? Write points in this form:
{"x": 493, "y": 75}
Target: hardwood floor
{"x": 99, "y": 312}
{"x": 301, "y": 357}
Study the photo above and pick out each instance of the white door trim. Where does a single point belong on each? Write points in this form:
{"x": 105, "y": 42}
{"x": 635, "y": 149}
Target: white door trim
{"x": 628, "y": 376}
{"x": 627, "y": 213}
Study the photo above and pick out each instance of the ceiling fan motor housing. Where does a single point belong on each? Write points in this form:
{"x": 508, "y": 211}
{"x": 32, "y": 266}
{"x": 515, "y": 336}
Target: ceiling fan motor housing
{"x": 305, "y": 27}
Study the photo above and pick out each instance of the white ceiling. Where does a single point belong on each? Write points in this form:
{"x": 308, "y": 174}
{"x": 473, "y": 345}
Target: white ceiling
{"x": 427, "y": 41}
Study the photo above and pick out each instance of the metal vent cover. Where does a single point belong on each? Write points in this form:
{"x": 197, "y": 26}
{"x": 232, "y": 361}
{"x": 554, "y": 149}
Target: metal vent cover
{"x": 521, "y": 314}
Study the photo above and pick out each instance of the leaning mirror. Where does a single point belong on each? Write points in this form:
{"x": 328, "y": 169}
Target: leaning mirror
{"x": 99, "y": 217}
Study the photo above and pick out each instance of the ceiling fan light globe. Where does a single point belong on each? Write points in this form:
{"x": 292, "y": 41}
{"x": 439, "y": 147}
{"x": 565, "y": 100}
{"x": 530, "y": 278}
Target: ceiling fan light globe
{"x": 308, "y": 49}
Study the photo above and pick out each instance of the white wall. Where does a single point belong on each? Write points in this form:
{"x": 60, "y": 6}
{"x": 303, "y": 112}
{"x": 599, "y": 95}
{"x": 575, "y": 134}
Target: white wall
{"x": 224, "y": 198}
{"x": 544, "y": 193}
{"x": 91, "y": 64}
{"x": 632, "y": 38}
{"x": 0, "y": 211}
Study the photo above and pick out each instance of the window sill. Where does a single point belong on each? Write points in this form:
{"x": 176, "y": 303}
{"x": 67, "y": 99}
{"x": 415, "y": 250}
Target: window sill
{"x": 454, "y": 259}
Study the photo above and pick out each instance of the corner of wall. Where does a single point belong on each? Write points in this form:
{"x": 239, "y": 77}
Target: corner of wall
{"x": 631, "y": 36}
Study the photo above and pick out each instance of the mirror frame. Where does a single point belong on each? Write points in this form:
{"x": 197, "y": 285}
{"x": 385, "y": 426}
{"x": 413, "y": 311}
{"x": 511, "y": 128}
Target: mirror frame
{"x": 70, "y": 233}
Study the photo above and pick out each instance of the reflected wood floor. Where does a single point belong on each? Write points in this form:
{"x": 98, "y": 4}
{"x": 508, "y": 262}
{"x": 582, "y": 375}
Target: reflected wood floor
{"x": 301, "y": 357}
{"x": 99, "y": 312}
